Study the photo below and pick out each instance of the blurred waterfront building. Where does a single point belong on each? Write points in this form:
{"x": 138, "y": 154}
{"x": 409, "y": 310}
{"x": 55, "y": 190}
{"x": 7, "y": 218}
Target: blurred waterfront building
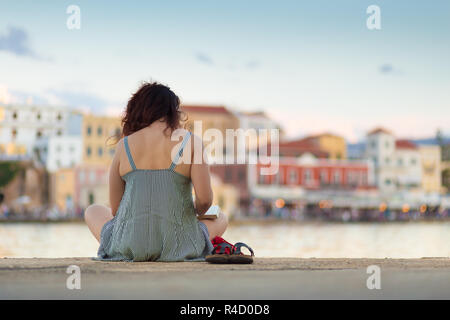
{"x": 211, "y": 117}
{"x": 258, "y": 121}
{"x": 235, "y": 175}
{"x": 397, "y": 163}
{"x": 226, "y": 196}
{"x": 431, "y": 168}
{"x": 28, "y": 191}
{"x": 91, "y": 186}
{"x": 22, "y": 125}
{"x": 62, "y": 190}
{"x": 99, "y": 135}
{"x": 334, "y": 145}
{"x": 445, "y": 167}
{"x": 309, "y": 181}
{"x": 58, "y": 152}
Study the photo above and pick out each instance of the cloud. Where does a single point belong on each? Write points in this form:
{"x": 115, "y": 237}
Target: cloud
{"x": 253, "y": 64}
{"x": 80, "y": 99}
{"x": 388, "y": 68}
{"x": 15, "y": 41}
{"x": 203, "y": 58}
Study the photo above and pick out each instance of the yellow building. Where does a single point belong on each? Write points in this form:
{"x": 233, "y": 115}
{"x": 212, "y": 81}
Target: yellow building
{"x": 63, "y": 189}
{"x": 431, "y": 168}
{"x": 99, "y": 136}
{"x": 226, "y": 196}
{"x": 334, "y": 145}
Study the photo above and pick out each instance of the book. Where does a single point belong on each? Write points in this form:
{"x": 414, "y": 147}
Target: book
{"x": 212, "y": 213}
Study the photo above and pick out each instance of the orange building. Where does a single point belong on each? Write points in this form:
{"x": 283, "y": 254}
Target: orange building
{"x": 334, "y": 145}
{"x": 211, "y": 117}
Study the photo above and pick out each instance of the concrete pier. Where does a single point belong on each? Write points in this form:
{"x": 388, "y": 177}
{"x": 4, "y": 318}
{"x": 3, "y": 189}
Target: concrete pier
{"x": 267, "y": 278}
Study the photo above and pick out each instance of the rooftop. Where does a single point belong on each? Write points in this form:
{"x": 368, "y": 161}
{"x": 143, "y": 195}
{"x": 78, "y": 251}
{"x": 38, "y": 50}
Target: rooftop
{"x": 205, "y": 109}
{"x": 379, "y": 130}
{"x": 405, "y": 144}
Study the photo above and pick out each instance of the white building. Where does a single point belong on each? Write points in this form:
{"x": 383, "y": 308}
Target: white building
{"x": 59, "y": 152}
{"x": 22, "y": 125}
{"x": 397, "y": 163}
{"x": 257, "y": 120}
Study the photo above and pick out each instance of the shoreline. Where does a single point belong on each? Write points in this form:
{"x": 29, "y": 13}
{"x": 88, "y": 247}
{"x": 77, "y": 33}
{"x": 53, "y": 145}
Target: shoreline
{"x": 256, "y": 221}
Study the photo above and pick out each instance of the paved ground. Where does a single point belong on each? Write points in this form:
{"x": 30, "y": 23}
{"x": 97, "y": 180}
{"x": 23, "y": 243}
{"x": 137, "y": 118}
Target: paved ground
{"x": 267, "y": 278}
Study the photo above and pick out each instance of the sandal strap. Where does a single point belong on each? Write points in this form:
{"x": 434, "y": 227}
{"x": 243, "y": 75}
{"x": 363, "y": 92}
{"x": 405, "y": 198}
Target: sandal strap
{"x": 239, "y": 245}
{"x": 221, "y": 247}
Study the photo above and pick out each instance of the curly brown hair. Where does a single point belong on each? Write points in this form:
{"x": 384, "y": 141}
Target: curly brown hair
{"x": 151, "y": 102}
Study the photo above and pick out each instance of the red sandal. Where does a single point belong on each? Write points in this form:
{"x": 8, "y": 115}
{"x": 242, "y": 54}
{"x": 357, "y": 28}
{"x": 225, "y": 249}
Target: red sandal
{"x": 225, "y": 252}
{"x": 221, "y": 252}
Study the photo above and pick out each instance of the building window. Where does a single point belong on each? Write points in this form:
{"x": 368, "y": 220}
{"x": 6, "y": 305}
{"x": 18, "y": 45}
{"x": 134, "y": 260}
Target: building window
{"x": 387, "y": 182}
{"x": 59, "y": 132}
{"x": 99, "y": 131}
{"x": 323, "y": 176}
{"x": 413, "y": 161}
{"x": 261, "y": 178}
{"x": 228, "y": 175}
{"x": 387, "y": 160}
{"x": 81, "y": 176}
{"x": 92, "y": 176}
{"x": 293, "y": 176}
{"x": 280, "y": 176}
{"x": 350, "y": 177}
{"x": 400, "y": 162}
{"x": 14, "y": 133}
{"x": 307, "y": 176}
{"x": 88, "y": 151}
{"x": 100, "y": 151}
{"x": 39, "y": 134}
{"x": 59, "y": 117}
{"x": 14, "y": 115}
{"x": 89, "y": 130}
{"x": 364, "y": 179}
{"x": 241, "y": 175}
{"x": 337, "y": 177}
{"x": 38, "y": 116}
{"x": 91, "y": 198}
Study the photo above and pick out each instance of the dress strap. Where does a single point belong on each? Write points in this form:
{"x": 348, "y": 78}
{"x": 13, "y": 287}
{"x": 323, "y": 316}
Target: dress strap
{"x": 180, "y": 152}
{"x": 127, "y": 149}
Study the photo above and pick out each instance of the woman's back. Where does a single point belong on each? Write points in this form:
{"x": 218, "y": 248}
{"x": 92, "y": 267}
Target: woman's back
{"x": 156, "y": 219}
{"x": 152, "y": 148}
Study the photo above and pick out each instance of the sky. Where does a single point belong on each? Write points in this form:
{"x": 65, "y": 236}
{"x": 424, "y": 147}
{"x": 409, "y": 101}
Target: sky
{"x": 312, "y": 66}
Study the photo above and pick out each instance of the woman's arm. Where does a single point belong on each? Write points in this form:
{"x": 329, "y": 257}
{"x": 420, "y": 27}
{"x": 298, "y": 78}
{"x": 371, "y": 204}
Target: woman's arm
{"x": 116, "y": 184}
{"x": 202, "y": 182}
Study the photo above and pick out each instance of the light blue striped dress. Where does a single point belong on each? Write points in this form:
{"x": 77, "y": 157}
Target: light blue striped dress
{"x": 155, "y": 220}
